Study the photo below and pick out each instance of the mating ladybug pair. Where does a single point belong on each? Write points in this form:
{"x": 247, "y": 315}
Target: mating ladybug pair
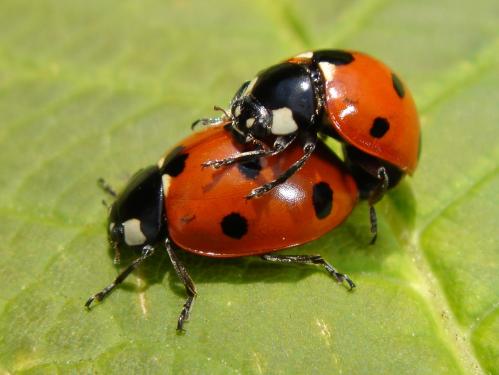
{"x": 266, "y": 146}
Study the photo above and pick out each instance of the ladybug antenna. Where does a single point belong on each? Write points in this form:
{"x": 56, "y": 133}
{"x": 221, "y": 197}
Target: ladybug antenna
{"x": 215, "y": 121}
{"x": 217, "y": 108}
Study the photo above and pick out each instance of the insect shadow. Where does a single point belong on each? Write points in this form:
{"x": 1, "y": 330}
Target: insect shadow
{"x": 346, "y": 247}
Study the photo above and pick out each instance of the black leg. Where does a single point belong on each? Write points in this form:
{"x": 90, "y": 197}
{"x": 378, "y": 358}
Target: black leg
{"x": 375, "y": 195}
{"x": 308, "y": 149}
{"x": 310, "y": 259}
{"x": 190, "y": 288}
{"x": 380, "y": 189}
{"x": 117, "y": 253}
{"x": 279, "y": 146}
{"x": 106, "y": 187}
{"x": 147, "y": 251}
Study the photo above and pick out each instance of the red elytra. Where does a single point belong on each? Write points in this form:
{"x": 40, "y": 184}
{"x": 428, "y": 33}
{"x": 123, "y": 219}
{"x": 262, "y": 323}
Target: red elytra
{"x": 207, "y": 214}
{"x": 364, "y": 90}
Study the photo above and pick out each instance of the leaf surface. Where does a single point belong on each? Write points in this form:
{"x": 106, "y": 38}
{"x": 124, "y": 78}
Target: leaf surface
{"x": 101, "y": 88}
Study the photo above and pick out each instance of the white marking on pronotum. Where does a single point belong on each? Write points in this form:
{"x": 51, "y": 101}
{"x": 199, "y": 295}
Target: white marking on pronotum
{"x": 250, "y": 86}
{"x": 133, "y": 233}
{"x": 283, "y": 122}
{"x": 160, "y": 162}
{"x": 166, "y": 179}
{"x": 305, "y": 55}
{"x": 327, "y": 70}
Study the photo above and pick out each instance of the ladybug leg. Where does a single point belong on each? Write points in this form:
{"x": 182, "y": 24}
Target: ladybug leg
{"x": 117, "y": 253}
{"x": 381, "y": 188}
{"x": 280, "y": 144}
{"x": 374, "y": 196}
{"x": 310, "y": 259}
{"x": 373, "y": 180}
{"x": 308, "y": 149}
{"x": 147, "y": 251}
{"x": 186, "y": 279}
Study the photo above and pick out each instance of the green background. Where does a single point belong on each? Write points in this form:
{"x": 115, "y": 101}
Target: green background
{"x": 102, "y": 88}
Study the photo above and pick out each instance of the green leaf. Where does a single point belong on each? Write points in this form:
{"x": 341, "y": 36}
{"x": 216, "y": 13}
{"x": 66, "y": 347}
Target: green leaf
{"x": 101, "y": 88}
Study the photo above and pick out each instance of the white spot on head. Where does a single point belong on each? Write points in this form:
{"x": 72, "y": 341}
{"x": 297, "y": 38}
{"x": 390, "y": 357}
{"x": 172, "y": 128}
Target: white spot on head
{"x": 166, "y": 179}
{"x": 250, "y": 122}
{"x": 111, "y": 226}
{"x": 133, "y": 233}
{"x": 283, "y": 122}
{"x": 250, "y": 86}
{"x": 327, "y": 70}
{"x": 305, "y": 55}
{"x": 237, "y": 111}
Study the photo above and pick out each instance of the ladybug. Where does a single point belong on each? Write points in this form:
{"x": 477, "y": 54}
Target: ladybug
{"x": 343, "y": 94}
{"x": 178, "y": 204}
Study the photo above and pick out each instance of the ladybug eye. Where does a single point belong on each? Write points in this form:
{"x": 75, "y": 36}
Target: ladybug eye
{"x": 116, "y": 232}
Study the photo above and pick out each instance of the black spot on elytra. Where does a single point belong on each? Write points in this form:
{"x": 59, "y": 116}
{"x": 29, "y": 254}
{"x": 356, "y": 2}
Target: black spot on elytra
{"x": 398, "y": 86}
{"x": 322, "y": 198}
{"x": 380, "y": 127}
{"x": 333, "y": 56}
{"x": 234, "y": 225}
{"x": 174, "y": 163}
{"x": 250, "y": 169}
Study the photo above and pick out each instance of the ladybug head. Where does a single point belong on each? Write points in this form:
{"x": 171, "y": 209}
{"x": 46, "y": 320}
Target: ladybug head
{"x": 136, "y": 217}
{"x": 249, "y": 118}
{"x": 278, "y": 102}
{"x": 116, "y": 232}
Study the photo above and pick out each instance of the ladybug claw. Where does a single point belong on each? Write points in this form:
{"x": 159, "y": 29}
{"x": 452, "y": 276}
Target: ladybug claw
{"x": 351, "y": 284}
{"x": 92, "y": 299}
{"x": 341, "y": 278}
{"x": 89, "y": 302}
